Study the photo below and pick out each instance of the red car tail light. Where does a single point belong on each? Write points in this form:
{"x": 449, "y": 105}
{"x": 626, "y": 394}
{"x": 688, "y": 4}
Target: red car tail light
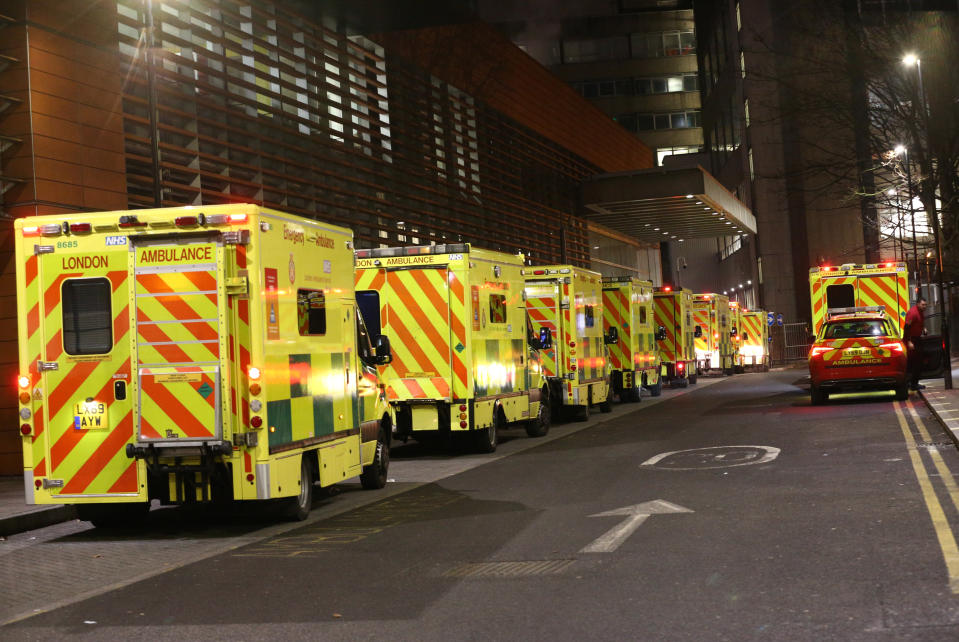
{"x": 894, "y": 346}
{"x": 818, "y": 350}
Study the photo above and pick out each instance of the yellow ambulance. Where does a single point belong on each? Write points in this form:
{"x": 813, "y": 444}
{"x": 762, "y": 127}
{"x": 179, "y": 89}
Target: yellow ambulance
{"x": 191, "y": 354}
{"x": 855, "y": 286}
{"x": 565, "y": 302}
{"x": 754, "y": 347}
{"x": 634, "y": 357}
{"x": 712, "y": 333}
{"x": 674, "y": 315}
{"x": 736, "y": 338}
{"x": 463, "y": 359}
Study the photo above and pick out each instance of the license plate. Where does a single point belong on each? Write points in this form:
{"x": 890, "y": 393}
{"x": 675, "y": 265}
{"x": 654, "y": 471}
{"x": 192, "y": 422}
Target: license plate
{"x": 857, "y": 352}
{"x": 90, "y": 415}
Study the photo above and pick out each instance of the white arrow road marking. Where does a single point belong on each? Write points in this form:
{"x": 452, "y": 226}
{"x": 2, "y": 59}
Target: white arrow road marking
{"x": 636, "y": 515}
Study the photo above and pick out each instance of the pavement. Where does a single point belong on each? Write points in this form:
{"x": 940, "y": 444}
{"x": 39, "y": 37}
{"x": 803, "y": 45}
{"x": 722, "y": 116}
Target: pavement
{"x": 17, "y": 517}
{"x": 944, "y": 404}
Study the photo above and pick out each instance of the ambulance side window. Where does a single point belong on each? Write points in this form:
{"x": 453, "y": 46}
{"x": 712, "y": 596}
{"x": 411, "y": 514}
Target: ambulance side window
{"x": 87, "y": 316}
{"x": 311, "y": 312}
{"x": 497, "y": 308}
{"x": 369, "y": 302}
{"x": 642, "y": 316}
{"x": 590, "y": 319}
{"x": 841, "y": 296}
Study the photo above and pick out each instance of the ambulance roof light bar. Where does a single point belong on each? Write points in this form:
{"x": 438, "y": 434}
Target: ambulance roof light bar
{"x": 866, "y": 309}
{"x": 413, "y": 250}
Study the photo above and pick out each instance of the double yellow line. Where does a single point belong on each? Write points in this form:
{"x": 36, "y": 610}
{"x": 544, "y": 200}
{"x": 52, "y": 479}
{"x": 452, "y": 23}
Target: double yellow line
{"x": 947, "y": 539}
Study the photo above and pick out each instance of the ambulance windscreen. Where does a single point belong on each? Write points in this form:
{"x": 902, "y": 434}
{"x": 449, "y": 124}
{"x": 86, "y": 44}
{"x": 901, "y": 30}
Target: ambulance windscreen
{"x": 87, "y": 316}
{"x": 369, "y": 304}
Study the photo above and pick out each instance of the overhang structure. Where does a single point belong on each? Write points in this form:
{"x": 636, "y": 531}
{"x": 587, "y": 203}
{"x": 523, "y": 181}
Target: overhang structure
{"x": 671, "y": 205}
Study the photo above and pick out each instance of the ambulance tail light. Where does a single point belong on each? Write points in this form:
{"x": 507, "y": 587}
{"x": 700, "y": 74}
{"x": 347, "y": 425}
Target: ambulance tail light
{"x": 894, "y": 346}
{"x": 25, "y": 429}
{"x": 827, "y": 268}
{"x": 715, "y": 335}
{"x": 463, "y": 424}
{"x": 680, "y": 366}
{"x": 254, "y": 373}
{"x": 256, "y": 421}
{"x": 81, "y": 228}
{"x": 539, "y": 272}
{"x": 238, "y": 218}
{"x": 462, "y": 407}
{"x": 31, "y": 230}
{"x": 818, "y": 351}
{"x": 667, "y": 288}
{"x": 23, "y": 381}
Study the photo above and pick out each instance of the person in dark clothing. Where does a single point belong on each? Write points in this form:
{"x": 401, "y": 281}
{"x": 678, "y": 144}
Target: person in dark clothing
{"x": 915, "y": 328}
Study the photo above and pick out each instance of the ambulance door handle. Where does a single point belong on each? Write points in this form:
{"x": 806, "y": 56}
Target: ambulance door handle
{"x": 43, "y": 366}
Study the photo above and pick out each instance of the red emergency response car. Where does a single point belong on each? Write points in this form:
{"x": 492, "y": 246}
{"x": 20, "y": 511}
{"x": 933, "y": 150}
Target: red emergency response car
{"x": 857, "y": 349}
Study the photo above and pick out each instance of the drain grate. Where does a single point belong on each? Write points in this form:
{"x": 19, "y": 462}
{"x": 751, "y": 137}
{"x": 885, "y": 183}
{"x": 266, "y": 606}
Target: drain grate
{"x": 509, "y": 569}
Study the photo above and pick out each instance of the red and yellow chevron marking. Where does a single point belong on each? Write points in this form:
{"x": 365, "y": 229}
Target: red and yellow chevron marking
{"x": 90, "y": 461}
{"x": 754, "y": 325}
{"x": 885, "y": 288}
{"x": 177, "y": 328}
{"x": 417, "y": 312}
{"x": 701, "y": 317}
{"x": 838, "y": 346}
{"x": 665, "y": 312}
{"x": 543, "y": 309}
{"x": 174, "y": 400}
{"x": 35, "y": 446}
{"x": 568, "y": 324}
{"x": 616, "y": 314}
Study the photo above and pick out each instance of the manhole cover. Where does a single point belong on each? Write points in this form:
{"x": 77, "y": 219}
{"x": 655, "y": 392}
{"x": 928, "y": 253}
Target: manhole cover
{"x": 713, "y": 457}
{"x": 509, "y": 569}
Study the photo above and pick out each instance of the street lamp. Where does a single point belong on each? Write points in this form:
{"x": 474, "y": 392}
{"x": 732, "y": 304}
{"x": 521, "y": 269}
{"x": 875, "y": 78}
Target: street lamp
{"x": 909, "y": 60}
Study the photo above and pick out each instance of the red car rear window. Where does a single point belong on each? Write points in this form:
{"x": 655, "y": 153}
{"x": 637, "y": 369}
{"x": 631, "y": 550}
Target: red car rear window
{"x": 854, "y": 328}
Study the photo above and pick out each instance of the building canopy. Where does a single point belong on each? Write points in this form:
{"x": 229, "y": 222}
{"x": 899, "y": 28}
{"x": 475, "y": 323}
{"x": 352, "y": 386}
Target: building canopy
{"x": 661, "y": 204}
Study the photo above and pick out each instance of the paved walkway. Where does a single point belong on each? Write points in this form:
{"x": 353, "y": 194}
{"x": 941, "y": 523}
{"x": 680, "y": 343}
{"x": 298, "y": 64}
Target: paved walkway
{"x": 945, "y": 403}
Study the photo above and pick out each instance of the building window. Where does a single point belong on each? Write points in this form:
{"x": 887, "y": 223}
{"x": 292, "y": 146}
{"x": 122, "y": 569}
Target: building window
{"x": 87, "y": 316}
{"x": 497, "y": 308}
{"x": 729, "y": 245}
{"x": 752, "y": 170}
{"x": 596, "y": 49}
{"x": 670, "y": 120}
{"x": 746, "y": 111}
{"x": 739, "y": 19}
{"x": 667, "y": 84}
{"x": 662, "y": 44}
{"x": 742, "y": 63}
{"x": 663, "y": 152}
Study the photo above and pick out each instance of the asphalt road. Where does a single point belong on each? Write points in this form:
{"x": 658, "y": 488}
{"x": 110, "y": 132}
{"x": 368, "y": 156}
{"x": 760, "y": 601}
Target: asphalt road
{"x": 788, "y": 522}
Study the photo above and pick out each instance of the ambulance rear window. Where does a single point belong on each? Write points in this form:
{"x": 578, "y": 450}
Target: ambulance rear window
{"x": 497, "y": 308}
{"x": 87, "y": 316}
{"x": 841, "y": 296}
{"x": 311, "y": 312}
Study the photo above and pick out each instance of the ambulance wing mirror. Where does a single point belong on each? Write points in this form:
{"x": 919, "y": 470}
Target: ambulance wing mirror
{"x": 698, "y": 332}
{"x": 733, "y": 333}
{"x": 612, "y": 336}
{"x": 660, "y": 333}
{"x": 384, "y": 354}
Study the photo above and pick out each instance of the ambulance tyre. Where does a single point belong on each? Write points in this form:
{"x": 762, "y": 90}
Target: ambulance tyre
{"x": 634, "y": 395}
{"x": 581, "y": 412}
{"x": 693, "y": 378}
{"x": 902, "y": 392}
{"x": 816, "y": 395}
{"x": 296, "y": 509}
{"x": 604, "y": 405}
{"x": 656, "y": 390}
{"x": 538, "y": 426}
{"x": 485, "y": 441}
{"x": 374, "y": 476}
{"x": 114, "y": 516}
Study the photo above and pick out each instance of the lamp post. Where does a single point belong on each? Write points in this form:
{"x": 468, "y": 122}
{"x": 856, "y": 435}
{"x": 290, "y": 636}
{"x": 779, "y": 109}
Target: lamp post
{"x": 909, "y": 61}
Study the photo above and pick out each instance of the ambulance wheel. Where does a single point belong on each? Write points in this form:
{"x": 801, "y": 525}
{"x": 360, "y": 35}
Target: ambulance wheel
{"x": 113, "y": 516}
{"x": 680, "y": 383}
{"x": 739, "y": 369}
{"x": 374, "y": 475}
{"x": 902, "y": 392}
{"x": 485, "y": 440}
{"x": 816, "y": 395}
{"x": 634, "y": 394}
{"x": 297, "y": 508}
{"x": 538, "y": 426}
{"x": 727, "y": 372}
{"x": 656, "y": 390}
{"x": 581, "y": 413}
{"x": 693, "y": 378}
{"x": 604, "y": 406}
